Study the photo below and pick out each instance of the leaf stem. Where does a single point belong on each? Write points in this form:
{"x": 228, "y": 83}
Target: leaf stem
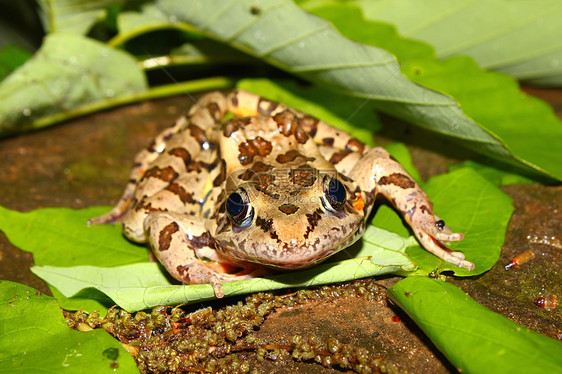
{"x": 153, "y": 93}
{"x": 159, "y": 62}
{"x": 122, "y": 38}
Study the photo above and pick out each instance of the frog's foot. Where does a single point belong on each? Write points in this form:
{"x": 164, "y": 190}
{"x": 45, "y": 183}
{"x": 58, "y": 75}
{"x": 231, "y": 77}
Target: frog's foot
{"x": 217, "y": 279}
{"x": 120, "y": 208}
{"x": 196, "y": 274}
{"x": 432, "y": 238}
{"x": 377, "y": 171}
{"x": 112, "y": 216}
{"x": 217, "y": 273}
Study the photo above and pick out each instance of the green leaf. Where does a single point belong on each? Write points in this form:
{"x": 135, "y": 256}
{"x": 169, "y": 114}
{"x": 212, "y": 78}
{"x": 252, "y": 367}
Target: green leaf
{"x": 469, "y": 204}
{"x": 527, "y": 125}
{"x": 141, "y": 286}
{"x": 11, "y": 57}
{"x": 35, "y": 338}
{"x": 473, "y": 338}
{"x": 258, "y": 28}
{"x": 74, "y": 16}
{"x": 352, "y": 115}
{"x": 525, "y": 130}
{"x": 499, "y": 177}
{"x": 69, "y": 71}
{"x": 520, "y": 38}
{"x": 357, "y": 70}
{"x": 61, "y": 237}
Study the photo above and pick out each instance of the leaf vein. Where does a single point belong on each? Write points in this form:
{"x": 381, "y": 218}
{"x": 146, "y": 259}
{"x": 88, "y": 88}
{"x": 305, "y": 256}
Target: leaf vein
{"x": 312, "y": 68}
{"x": 294, "y": 40}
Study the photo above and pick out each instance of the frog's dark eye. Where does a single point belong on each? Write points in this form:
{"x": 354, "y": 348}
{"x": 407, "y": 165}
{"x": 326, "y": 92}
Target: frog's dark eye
{"x": 334, "y": 194}
{"x": 239, "y": 209}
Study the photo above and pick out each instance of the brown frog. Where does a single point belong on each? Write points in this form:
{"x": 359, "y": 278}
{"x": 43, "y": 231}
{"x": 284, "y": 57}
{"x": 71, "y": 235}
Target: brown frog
{"x": 221, "y": 200}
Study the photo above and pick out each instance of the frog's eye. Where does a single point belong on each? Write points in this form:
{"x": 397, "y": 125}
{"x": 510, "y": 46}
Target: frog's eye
{"x": 239, "y": 209}
{"x": 334, "y": 194}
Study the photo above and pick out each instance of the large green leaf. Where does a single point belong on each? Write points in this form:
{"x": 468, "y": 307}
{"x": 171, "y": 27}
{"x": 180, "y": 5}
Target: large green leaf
{"x": 69, "y": 71}
{"x": 144, "y": 285}
{"x": 472, "y": 337}
{"x": 260, "y": 29}
{"x": 526, "y": 126}
{"x": 35, "y": 338}
{"x": 521, "y": 38}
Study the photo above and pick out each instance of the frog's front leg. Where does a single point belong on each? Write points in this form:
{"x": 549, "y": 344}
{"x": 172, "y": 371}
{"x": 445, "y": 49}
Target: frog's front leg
{"x": 181, "y": 244}
{"x": 377, "y": 172}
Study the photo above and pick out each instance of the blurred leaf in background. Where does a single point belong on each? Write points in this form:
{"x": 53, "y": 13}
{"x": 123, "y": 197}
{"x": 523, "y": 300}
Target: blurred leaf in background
{"x": 520, "y": 38}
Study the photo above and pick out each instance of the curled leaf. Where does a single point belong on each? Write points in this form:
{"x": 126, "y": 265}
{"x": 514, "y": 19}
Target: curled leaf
{"x": 474, "y": 339}
{"x": 145, "y": 285}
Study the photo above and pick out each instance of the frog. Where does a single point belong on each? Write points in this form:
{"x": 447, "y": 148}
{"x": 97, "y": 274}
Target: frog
{"x": 240, "y": 186}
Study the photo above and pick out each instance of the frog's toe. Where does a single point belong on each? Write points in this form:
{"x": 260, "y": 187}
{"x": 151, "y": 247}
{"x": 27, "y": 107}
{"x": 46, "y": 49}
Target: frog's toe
{"x": 217, "y": 279}
{"x": 458, "y": 255}
{"x": 436, "y": 227}
{"x": 433, "y": 244}
{"x": 465, "y": 264}
{"x": 448, "y": 237}
{"x": 109, "y": 217}
{"x": 217, "y": 286}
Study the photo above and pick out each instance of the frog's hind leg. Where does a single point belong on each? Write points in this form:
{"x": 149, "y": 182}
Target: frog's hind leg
{"x": 206, "y": 112}
{"x": 141, "y": 162}
{"x": 181, "y": 243}
{"x": 378, "y": 172}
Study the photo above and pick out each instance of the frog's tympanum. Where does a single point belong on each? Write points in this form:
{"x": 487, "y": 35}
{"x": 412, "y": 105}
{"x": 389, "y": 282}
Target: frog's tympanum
{"x": 224, "y": 199}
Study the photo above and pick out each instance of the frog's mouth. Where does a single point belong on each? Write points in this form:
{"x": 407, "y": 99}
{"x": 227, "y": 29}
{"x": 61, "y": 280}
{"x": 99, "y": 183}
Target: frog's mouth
{"x": 295, "y": 263}
{"x": 289, "y": 255}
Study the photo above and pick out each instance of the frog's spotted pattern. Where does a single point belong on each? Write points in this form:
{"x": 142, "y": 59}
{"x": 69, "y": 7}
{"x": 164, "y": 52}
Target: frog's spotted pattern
{"x": 271, "y": 187}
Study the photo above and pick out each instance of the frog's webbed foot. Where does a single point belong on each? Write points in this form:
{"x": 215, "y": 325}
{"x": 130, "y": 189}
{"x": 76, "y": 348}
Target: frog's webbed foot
{"x": 178, "y": 242}
{"x": 377, "y": 172}
{"x": 433, "y": 234}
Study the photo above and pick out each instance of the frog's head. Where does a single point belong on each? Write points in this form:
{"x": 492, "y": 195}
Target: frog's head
{"x": 288, "y": 218}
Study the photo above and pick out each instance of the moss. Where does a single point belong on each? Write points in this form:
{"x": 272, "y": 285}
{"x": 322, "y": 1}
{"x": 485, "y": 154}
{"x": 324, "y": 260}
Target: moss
{"x": 170, "y": 340}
